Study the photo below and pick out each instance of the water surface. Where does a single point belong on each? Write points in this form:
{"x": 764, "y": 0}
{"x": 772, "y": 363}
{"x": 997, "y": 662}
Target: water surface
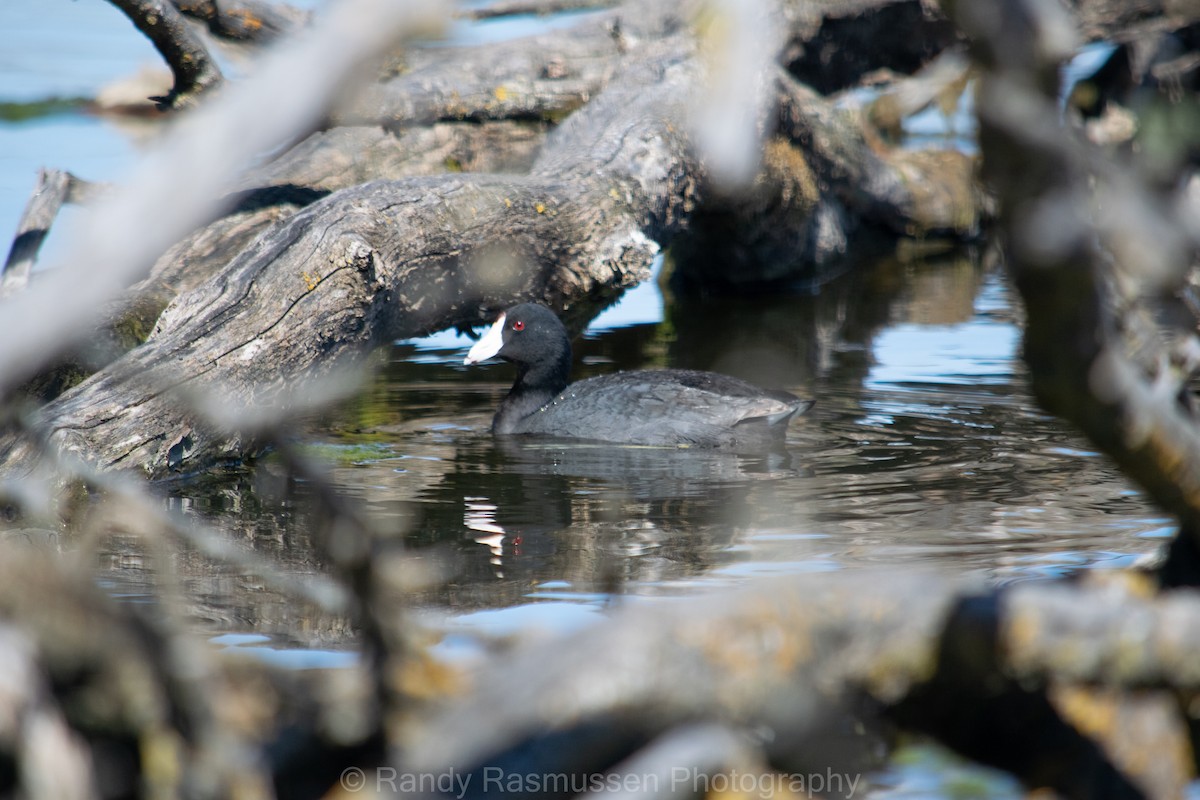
{"x": 924, "y": 449}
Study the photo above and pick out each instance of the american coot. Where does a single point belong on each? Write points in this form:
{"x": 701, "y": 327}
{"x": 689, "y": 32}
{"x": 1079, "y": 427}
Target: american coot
{"x": 675, "y": 407}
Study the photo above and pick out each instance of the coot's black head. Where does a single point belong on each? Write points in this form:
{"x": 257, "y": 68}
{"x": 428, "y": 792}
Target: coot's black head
{"x": 531, "y": 336}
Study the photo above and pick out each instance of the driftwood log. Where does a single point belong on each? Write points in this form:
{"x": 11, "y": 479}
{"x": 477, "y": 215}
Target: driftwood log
{"x": 616, "y": 182}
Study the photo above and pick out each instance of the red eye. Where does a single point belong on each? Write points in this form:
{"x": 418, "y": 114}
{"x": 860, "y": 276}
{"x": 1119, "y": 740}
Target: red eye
{"x": 519, "y": 325}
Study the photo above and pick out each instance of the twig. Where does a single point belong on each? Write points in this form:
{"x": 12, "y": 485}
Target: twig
{"x": 510, "y": 8}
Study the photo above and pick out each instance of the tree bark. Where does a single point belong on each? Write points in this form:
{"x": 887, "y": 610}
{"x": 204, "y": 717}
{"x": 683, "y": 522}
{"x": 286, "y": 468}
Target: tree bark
{"x": 254, "y": 21}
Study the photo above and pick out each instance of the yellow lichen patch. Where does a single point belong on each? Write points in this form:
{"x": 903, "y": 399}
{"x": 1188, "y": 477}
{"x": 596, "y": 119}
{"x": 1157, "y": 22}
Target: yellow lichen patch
{"x": 1169, "y": 457}
{"x": 540, "y": 208}
{"x": 249, "y": 20}
{"x": 754, "y": 645}
{"x": 500, "y": 93}
{"x": 786, "y": 166}
{"x": 161, "y": 752}
{"x": 1092, "y": 713}
{"x": 942, "y": 185}
{"x": 1141, "y": 734}
{"x": 310, "y": 280}
{"x": 1138, "y": 585}
{"x": 1019, "y": 635}
{"x": 507, "y": 203}
{"x": 425, "y": 678}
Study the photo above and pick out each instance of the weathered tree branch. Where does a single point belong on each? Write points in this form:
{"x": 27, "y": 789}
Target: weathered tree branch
{"x": 678, "y": 683}
{"x": 796, "y": 656}
{"x": 194, "y": 69}
{"x": 535, "y": 78}
{"x": 256, "y": 21}
{"x": 204, "y": 153}
{"x": 54, "y": 189}
{"x": 388, "y": 260}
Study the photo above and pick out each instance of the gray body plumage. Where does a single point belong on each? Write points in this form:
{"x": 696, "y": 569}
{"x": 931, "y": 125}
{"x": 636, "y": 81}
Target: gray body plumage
{"x": 663, "y": 407}
{"x": 669, "y": 407}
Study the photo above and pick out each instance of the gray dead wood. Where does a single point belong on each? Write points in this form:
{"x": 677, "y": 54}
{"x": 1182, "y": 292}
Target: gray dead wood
{"x": 533, "y": 78}
{"x": 544, "y": 77}
{"x": 508, "y": 8}
{"x": 614, "y": 184}
{"x": 801, "y": 675}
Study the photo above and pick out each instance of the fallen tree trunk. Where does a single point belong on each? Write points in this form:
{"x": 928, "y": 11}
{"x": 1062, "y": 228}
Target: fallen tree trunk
{"x": 393, "y": 259}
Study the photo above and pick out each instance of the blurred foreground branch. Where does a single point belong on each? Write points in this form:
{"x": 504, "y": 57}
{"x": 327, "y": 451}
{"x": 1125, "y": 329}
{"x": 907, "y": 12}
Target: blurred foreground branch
{"x": 778, "y": 670}
{"x": 1093, "y": 242}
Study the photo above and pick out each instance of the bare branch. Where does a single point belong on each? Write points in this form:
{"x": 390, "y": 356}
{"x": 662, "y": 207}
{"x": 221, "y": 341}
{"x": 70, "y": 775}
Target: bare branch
{"x": 509, "y": 8}
{"x": 54, "y": 188}
{"x": 194, "y": 69}
{"x": 1086, "y": 239}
